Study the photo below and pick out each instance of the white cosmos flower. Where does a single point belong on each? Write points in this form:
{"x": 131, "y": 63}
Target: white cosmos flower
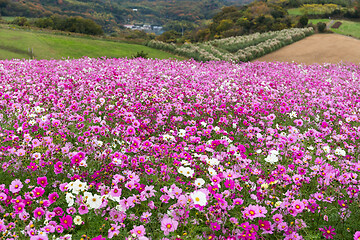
{"x": 94, "y": 201}
{"x": 274, "y": 152}
{"x": 203, "y": 124}
{"x": 340, "y": 151}
{"x": 199, "y": 198}
{"x": 272, "y": 158}
{"x": 213, "y": 161}
{"x": 78, "y": 220}
{"x": 117, "y": 161}
{"x": 78, "y": 186}
{"x": 32, "y": 122}
{"x": 186, "y": 171}
{"x": 199, "y": 182}
{"x": 70, "y": 199}
{"x": 36, "y": 155}
{"x": 185, "y": 163}
{"x": 326, "y": 149}
{"x": 212, "y": 171}
{"x": 310, "y": 148}
{"x": 181, "y": 133}
{"x": 293, "y": 114}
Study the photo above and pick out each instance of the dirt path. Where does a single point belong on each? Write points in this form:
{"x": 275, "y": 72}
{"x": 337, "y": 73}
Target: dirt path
{"x": 318, "y": 48}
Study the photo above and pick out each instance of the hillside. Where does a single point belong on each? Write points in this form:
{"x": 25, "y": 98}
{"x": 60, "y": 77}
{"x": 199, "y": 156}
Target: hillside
{"x": 18, "y": 44}
{"x": 112, "y": 13}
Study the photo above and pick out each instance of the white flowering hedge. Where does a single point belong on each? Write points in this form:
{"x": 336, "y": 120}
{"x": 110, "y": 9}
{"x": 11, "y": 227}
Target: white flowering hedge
{"x": 236, "y": 49}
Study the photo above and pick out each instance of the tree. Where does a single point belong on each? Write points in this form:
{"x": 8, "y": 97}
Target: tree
{"x": 321, "y": 27}
{"x": 303, "y": 21}
{"x": 21, "y": 21}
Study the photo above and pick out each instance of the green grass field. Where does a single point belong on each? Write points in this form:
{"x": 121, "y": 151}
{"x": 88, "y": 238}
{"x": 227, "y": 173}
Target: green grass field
{"x": 15, "y": 43}
{"x": 347, "y": 28}
{"x": 315, "y": 21}
{"x": 294, "y": 11}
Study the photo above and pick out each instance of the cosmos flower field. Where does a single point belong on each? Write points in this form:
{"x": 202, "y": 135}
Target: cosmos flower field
{"x": 164, "y": 149}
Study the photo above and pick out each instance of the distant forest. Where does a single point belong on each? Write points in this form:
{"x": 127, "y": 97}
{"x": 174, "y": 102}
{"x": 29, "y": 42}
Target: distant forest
{"x": 112, "y": 14}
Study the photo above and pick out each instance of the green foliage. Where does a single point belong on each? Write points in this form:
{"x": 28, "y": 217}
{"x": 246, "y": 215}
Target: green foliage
{"x": 258, "y": 16}
{"x": 180, "y": 26}
{"x": 321, "y": 27}
{"x": 141, "y": 54}
{"x": 169, "y": 36}
{"x": 224, "y": 25}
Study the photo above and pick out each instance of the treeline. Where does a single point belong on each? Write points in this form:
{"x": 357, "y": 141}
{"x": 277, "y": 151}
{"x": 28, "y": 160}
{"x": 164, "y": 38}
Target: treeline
{"x": 299, "y": 3}
{"x": 69, "y": 24}
{"x": 331, "y": 10}
{"x": 112, "y": 14}
{"x": 258, "y": 16}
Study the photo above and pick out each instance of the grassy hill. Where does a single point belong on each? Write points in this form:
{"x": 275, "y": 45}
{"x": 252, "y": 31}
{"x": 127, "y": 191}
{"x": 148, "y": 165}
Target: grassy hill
{"x": 16, "y": 43}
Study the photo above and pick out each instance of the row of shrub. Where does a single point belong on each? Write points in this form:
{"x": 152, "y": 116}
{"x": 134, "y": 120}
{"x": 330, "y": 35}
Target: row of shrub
{"x": 236, "y": 49}
{"x": 57, "y": 22}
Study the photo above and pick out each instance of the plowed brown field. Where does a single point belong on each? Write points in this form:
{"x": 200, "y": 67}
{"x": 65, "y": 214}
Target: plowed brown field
{"x": 318, "y": 48}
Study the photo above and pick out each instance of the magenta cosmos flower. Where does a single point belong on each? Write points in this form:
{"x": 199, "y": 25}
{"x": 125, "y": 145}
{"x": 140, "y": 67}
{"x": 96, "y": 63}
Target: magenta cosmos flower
{"x": 328, "y": 232}
{"x": 215, "y": 226}
{"x": 42, "y": 181}
{"x": 66, "y": 221}
{"x": 168, "y": 225}
{"x": 98, "y": 238}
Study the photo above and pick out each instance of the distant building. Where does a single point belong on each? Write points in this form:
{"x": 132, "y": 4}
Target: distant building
{"x": 145, "y": 27}
{"x": 129, "y": 26}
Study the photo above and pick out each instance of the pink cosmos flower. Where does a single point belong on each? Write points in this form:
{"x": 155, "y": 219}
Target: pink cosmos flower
{"x": 59, "y": 228}
{"x": 83, "y": 209}
{"x": 32, "y": 166}
{"x": 38, "y": 212}
{"x": 278, "y": 218}
{"x": 298, "y": 206}
{"x": 3, "y": 196}
{"x": 130, "y": 131}
{"x": 138, "y": 230}
{"x": 15, "y": 186}
{"x": 39, "y": 237}
{"x": 168, "y": 225}
{"x": 58, "y": 167}
{"x": 53, "y": 197}
{"x": 38, "y": 192}
{"x": 357, "y": 235}
{"x": 115, "y": 192}
{"x": 113, "y": 231}
{"x": 252, "y": 212}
